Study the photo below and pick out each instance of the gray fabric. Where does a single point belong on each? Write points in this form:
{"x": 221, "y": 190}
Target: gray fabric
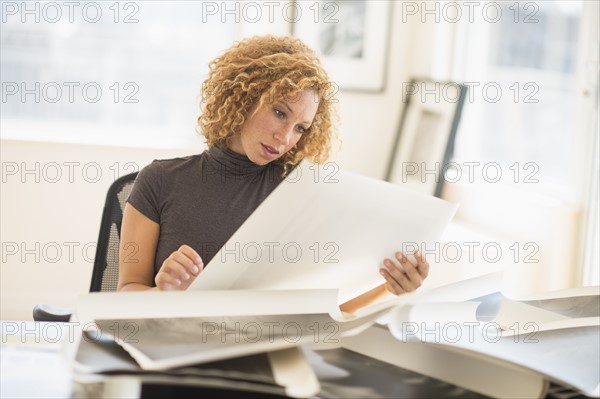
{"x": 201, "y": 200}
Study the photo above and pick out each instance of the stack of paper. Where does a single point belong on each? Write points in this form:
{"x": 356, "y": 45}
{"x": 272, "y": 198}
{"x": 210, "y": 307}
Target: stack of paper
{"x": 314, "y": 243}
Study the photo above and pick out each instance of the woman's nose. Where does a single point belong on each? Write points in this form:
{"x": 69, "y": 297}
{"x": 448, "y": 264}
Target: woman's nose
{"x": 284, "y": 134}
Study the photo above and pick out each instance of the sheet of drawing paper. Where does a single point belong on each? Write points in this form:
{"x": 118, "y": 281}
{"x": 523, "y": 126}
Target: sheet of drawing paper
{"x": 181, "y": 304}
{"x": 326, "y": 228}
{"x": 161, "y": 330}
{"x": 509, "y": 317}
{"x": 545, "y": 335}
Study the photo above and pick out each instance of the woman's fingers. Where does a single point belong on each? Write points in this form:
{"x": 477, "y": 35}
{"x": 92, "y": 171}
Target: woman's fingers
{"x": 410, "y": 270}
{"x": 181, "y": 266}
{"x": 405, "y": 277}
{"x": 392, "y": 285}
{"x": 193, "y": 256}
{"x": 422, "y": 265}
{"x": 179, "y": 269}
{"x": 166, "y": 281}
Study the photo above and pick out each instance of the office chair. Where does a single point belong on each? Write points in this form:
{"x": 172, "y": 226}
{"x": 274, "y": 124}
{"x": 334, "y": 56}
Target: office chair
{"x": 105, "y": 274}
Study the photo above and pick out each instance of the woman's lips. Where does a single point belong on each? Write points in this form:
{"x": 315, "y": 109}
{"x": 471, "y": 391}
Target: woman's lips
{"x": 270, "y": 151}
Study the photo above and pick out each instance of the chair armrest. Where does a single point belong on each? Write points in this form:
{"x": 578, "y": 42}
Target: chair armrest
{"x": 43, "y": 312}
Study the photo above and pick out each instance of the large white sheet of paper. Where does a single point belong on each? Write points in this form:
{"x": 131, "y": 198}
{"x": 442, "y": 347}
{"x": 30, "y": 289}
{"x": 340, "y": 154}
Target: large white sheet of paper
{"x": 324, "y": 228}
{"x": 161, "y": 330}
{"x": 555, "y": 335}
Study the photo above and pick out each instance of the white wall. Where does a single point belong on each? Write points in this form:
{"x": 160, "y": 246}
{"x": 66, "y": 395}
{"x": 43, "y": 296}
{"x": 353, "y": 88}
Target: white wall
{"x": 370, "y": 120}
{"x": 46, "y": 225}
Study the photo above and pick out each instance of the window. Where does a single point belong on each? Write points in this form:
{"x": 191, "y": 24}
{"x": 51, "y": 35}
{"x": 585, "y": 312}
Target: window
{"x": 533, "y": 76}
{"x": 90, "y": 71}
{"x": 520, "y": 112}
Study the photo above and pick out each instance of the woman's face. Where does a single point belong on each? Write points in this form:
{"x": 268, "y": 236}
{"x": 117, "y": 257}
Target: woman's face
{"x": 274, "y": 129}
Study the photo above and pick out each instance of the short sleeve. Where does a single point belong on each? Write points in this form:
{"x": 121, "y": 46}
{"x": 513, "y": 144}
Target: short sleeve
{"x": 145, "y": 195}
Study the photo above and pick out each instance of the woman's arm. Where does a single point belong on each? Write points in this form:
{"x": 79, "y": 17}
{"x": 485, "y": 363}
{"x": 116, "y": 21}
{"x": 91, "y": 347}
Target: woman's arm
{"x": 139, "y": 240}
{"x": 365, "y": 299}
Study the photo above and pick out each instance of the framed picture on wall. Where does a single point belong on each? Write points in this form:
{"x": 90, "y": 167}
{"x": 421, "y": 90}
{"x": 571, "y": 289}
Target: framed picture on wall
{"x": 425, "y": 140}
{"x": 351, "y": 37}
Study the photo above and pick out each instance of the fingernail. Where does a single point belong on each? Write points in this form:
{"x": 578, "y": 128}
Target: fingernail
{"x": 177, "y": 282}
{"x": 382, "y": 272}
{"x": 195, "y": 269}
{"x": 186, "y": 276}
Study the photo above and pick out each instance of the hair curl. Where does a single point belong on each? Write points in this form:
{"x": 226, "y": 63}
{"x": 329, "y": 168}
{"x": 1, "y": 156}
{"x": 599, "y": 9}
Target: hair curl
{"x": 262, "y": 70}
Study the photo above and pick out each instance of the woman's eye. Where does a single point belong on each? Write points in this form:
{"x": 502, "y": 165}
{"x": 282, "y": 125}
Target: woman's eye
{"x": 280, "y": 114}
{"x": 301, "y": 129}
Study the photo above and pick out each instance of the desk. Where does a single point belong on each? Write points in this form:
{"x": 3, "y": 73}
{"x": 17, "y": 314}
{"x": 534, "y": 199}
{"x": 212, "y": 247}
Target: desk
{"x": 32, "y": 367}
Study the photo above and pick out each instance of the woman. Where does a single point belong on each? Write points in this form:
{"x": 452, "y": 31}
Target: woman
{"x": 267, "y": 106}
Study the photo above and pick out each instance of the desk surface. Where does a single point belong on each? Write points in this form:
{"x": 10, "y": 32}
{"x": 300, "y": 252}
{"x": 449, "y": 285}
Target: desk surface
{"x": 32, "y": 366}
{"x": 32, "y": 372}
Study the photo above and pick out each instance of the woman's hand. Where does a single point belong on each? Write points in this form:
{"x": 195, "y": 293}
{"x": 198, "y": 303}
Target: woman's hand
{"x": 179, "y": 270}
{"x": 400, "y": 279}
{"x": 405, "y": 277}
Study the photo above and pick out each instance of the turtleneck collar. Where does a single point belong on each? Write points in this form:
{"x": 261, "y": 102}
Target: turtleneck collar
{"x": 232, "y": 162}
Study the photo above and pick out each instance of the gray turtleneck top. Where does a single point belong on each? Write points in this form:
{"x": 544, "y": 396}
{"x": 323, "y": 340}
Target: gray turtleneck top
{"x": 201, "y": 200}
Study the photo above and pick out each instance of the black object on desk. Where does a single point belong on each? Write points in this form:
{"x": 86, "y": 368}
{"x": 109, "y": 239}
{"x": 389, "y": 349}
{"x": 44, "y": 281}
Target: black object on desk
{"x": 347, "y": 374}
{"x": 342, "y": 374}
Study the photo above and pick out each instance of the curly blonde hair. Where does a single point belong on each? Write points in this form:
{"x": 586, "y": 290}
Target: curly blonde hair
{"x": 262, "y": 70}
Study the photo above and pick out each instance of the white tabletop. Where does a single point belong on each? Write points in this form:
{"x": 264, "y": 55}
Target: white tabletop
{"x": 31, "y": 364}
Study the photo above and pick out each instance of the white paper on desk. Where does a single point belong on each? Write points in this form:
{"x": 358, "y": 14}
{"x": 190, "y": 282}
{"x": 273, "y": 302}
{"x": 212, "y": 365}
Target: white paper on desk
{"x": 557, "y": 336}
{"x": 161, "y": 330}
{"x": 33, "y": 371}
{"x": 326, "y": 228}
{"x": 505, "y": 318}
{"x": 103, "y": 360}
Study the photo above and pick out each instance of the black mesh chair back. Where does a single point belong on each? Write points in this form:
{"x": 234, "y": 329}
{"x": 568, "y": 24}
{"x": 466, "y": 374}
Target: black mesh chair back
{"x": 105, "y": 275}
